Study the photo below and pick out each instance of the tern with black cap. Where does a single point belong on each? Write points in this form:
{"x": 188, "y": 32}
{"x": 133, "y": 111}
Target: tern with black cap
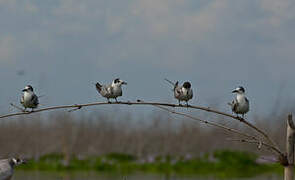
{"x": 29, "y": 99}
{"x": 111, "y": 91}
{"x": 7, "y": 167}
{"x": 240, "y": 105}
{"x": 182, "y": 93}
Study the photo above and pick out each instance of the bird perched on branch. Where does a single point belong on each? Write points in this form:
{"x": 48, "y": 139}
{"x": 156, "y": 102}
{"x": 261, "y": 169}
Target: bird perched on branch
{"x": 7, "y": 167}
{"x": 112, "y": 90}
{"x": 29, "y": 99}
{"x": 240, "y": 105}
{"x": 182, "y": 93}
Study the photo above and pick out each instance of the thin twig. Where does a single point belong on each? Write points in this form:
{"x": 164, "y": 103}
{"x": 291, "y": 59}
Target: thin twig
{"x": 139, "y": 102}
{"x": 208, "y": 122}
{"x": 254, "y": 138}
{"x": 259, "y": 143}
{"x": 19, "y": 108}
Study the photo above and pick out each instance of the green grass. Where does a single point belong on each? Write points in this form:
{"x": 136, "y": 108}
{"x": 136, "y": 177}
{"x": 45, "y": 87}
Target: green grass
{"x": 225, "y": 164}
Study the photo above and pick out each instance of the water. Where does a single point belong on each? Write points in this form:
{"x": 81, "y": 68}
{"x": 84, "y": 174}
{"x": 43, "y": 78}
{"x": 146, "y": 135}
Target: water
{"x": 22, "y": 175}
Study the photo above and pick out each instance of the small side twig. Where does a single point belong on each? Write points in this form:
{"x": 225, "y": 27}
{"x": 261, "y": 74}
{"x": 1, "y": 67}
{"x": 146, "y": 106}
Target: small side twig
{"x": 259, "y": 144}
{"x": 19, "y": 108}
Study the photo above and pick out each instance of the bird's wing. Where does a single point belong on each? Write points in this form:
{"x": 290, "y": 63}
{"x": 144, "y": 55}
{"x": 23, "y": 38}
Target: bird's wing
{"x": 248, "y": 105}
{"x": 177, "y": 91}
{"x": 22, "y": 99}
{"x": 108, "y": 89}
{"x": 233, "y": 104}
{"x": 190, "y": 93}
{"x": 4, "y": 161}
{"x": 5, "y": 169}
{"x": 247, "y": 100}
{"x": 35, "y": 100}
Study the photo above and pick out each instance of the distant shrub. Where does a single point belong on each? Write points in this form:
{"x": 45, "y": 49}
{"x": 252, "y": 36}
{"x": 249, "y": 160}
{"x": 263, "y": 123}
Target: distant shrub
{"x": 119, "y": 157}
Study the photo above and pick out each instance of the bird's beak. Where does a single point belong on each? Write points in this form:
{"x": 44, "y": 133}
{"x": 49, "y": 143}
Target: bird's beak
{"x": 125, "y": 83}
{"x": 24, "y": 90}
{"x": 24, "y": 161}
{"x": 234, "y": 91}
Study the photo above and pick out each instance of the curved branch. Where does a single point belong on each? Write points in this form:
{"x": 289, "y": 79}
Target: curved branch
{"x": 139, "y": 102}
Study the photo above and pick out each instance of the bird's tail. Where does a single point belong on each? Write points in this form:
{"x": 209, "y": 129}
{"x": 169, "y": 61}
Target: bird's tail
{"x": 170, "y": 81}
{"x": 41, "y": 96}
{"x": 98, "y": 87}
{"x": 174, "y": 84}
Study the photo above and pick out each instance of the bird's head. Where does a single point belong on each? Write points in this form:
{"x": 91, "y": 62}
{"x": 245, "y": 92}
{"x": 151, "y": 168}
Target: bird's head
{"x": 239, "y": 90}
{"x": 28, "y": 88}
{"x": 186, "y": 85}
{"x": 119, "y": 82}
{"x": 17, "y": 161}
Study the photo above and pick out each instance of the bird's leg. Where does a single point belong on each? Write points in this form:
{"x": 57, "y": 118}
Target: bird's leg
{"x": 116, "y": 99}
{"x": 25, "y": 110}
{"x": 179, "y": 102}
{"x": 187, "y": 103}
{"x": 32, "y": 110}
{"x": 239, "y": 117}
{"x": 109, "y": 100}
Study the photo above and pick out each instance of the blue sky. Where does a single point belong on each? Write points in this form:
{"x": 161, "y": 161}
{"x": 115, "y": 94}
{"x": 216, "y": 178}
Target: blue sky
{"x": 61, "y": 47}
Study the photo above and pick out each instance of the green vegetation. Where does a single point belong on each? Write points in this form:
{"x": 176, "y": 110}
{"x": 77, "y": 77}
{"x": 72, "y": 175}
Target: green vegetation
{"x": 222, "y": 164}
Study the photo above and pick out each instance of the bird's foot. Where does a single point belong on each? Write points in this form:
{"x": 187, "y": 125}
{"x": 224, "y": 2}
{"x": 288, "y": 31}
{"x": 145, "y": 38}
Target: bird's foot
{"x": 26, "y": 111}
{"x": 240, "y": 118}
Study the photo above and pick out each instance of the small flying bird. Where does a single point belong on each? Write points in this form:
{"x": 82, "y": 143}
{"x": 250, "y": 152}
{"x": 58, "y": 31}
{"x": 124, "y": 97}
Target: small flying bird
{"x": 29, "y": 99}
{"x": 112, "y": 90}
{"x": 7, "y": 167}
{"x": 182, "y": 93}
{"x": 240, "y": 105}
